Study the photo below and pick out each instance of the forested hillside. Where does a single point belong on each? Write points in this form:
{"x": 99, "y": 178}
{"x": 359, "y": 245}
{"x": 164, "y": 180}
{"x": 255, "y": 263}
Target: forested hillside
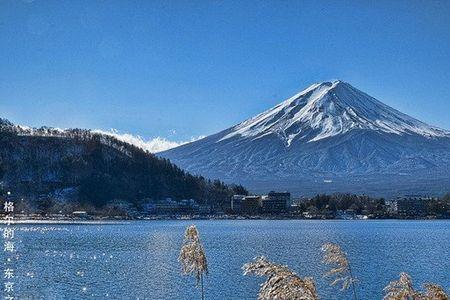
{"x": 93, "y": 168}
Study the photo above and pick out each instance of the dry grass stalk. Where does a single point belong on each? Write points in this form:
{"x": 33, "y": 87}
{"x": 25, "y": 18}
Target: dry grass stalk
{"x": 403, "y": 289}
{"x": 281, "y": 282}
{"x": 341, "y": 271}
{"x": 192, "y": 256}
{"x": 435, "y": 292}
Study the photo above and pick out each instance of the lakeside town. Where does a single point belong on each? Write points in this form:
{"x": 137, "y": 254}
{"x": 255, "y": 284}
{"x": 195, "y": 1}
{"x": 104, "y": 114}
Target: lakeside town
{"x": 274, "y": 205}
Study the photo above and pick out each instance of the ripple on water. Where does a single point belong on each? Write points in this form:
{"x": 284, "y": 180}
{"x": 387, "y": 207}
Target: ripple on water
{"x": 139, "y": 259}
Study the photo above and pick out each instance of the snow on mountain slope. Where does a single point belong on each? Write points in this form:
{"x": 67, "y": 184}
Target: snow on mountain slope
{"x": 329, "y": 109}
{"x": 329, "y": 130}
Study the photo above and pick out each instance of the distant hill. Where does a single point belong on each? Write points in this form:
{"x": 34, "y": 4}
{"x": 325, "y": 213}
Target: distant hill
{"x": 330, "y": 137}
{"x": 93, "y": 168}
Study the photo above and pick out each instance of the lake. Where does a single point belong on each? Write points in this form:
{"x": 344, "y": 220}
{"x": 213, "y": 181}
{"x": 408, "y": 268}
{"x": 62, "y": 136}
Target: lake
{"x": 138, "y": 259}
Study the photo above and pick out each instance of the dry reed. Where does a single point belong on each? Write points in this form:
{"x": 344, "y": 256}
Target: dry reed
{"x": 281, "y": 283}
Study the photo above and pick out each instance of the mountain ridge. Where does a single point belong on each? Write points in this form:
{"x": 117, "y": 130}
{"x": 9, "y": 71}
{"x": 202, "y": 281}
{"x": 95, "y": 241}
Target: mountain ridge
{"x": 330, "y": 105}
{"x": 329, "y": 130}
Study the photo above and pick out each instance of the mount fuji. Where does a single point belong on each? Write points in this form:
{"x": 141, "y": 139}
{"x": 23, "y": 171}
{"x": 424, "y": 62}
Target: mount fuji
{"x": 330, "y": 137}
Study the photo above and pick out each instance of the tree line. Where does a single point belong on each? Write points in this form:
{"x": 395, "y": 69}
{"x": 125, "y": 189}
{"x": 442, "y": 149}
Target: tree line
{"x": 37, "y": 163}
{"x": 362, "y": 204}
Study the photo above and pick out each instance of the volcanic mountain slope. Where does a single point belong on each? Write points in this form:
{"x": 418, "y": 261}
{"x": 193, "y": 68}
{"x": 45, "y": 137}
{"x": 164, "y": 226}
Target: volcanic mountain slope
{"x": 331, "y": 137}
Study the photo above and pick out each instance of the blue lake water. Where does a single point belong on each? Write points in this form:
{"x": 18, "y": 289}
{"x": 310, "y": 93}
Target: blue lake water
{"x": 138, "y": 260}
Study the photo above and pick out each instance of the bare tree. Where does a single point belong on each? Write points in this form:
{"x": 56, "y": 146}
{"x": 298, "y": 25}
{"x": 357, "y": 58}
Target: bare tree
{"x": 192, "y": 256}
{"x": 281, "y": 282}
{"x": 342, "y": 270}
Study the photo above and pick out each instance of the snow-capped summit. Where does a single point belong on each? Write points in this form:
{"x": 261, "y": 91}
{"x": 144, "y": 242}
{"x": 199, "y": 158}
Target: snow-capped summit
{"x": 328, "y": 109}
{"x": 329, "y": 132}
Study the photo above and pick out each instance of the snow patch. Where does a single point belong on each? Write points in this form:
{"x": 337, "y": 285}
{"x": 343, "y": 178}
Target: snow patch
{"x": 153, "y": 145}
{"x": 329, "y": 109}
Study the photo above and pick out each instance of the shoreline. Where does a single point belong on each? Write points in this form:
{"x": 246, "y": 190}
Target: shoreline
{"x": 117, "y": 221}
{"x": 63, "y": 222}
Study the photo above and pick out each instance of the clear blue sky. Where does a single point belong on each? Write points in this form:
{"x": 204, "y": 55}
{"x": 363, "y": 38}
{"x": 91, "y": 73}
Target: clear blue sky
{"x": 178, "y": 69}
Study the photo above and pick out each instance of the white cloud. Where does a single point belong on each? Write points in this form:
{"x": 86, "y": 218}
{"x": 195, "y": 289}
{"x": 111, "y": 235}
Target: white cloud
{"x": 154, "y": 145}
